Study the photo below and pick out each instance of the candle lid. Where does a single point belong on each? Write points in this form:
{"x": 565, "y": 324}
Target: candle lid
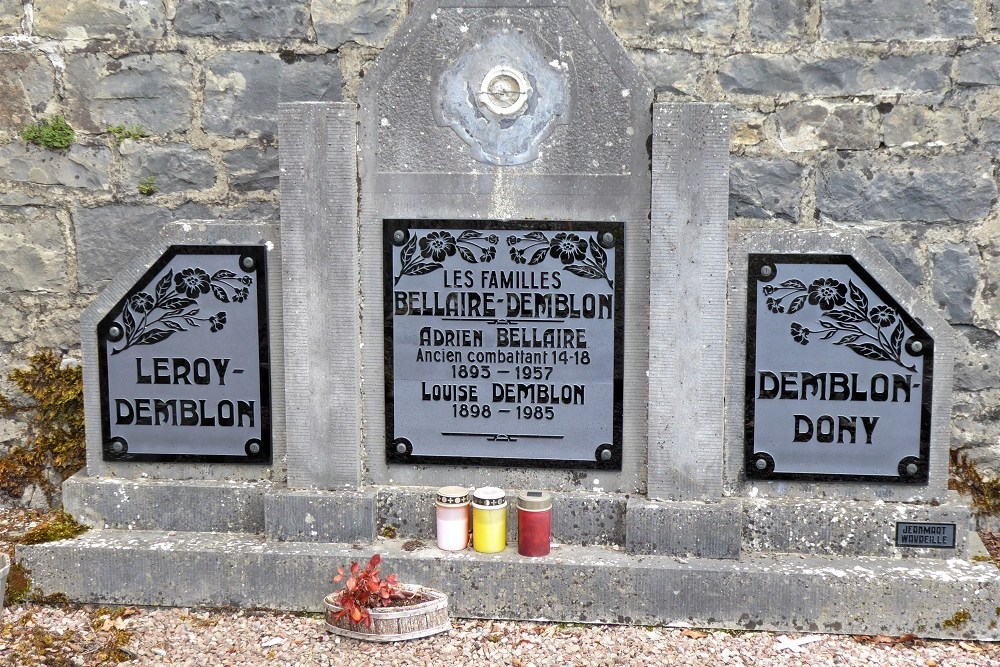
{"x": 489, "y": 496}
{"x": 534, "y": 500}
{"x": 453, "y": 495}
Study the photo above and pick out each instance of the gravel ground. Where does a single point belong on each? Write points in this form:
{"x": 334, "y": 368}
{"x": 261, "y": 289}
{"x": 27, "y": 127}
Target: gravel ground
{"x": 56, "y": 635}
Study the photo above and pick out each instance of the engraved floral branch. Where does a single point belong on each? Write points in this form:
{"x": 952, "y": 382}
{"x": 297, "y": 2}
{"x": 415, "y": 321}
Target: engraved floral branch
{"x": 436, "y": 246}
{"x": 868, "y": 332}
{"x": 151, "y": 318}
{"x": 568, "y": 248}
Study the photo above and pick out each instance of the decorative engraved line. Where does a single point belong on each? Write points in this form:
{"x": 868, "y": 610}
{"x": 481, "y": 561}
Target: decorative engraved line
{"x": 504, "y": 437}
{"x": 488, "y": 320}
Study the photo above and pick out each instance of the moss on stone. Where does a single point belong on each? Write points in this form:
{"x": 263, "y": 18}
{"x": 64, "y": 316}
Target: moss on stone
{"x": 53, "y": 133}
{"x": 60, "y": 527}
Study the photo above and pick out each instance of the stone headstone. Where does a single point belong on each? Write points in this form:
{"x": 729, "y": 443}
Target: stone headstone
{"x": 184, "y": 360}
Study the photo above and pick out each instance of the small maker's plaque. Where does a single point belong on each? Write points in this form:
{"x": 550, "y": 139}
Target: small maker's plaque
{"x": 838, "y": 381}
{"x": 926, "y": 535}
{"x": 503, "y": 343}
{"x": 184, "y": 360}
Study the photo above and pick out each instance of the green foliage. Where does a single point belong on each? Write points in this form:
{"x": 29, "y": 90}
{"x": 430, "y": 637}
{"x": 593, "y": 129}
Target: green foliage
{"x": 965, "y": 478}
{"x": 122, "y": 132}
{"x": 56, "y": 439}
{"x": 54, "y": 133}
{"x": 60, "y": 527}
{"x": 147, "y": 187}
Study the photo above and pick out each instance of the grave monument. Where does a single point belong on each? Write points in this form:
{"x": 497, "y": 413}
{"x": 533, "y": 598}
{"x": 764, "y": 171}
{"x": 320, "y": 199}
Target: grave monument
{"x": 506, "y": 266}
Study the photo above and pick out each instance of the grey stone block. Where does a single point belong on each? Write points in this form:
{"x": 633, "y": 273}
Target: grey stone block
{"x": 816, "y": 125}
{"x": 149, "y": 504}
{"x": 903, "y": 257}
{"x": 243, "y": 90}
{"x": 846, "y": 528}
{"x": 910, "y": 124}
{"x": 245, "y": 20}
{"x": 956, "y": 277}
{"x": 778, "y": 20}
{"x": 151, "y": 90}
{"x": 675, "y": 72}
{"x": 765, "y": 74}
{"x": 859, "y": 187}
{"x": 897, "y": 19}
{"x": 690, "y": 206}
{"x": 700, "y": 530}
{"x": 320, "y": 516}
{"x": 765, "y": 188}
{"x": 712, "y": 19}
{"x": 99, "y": 19}
{"x": 174, "y": 167}
{"x": 27, "y": 85}
{"x": 10, "y": 17}
{"x": 588, "y": 519}
{"x": 107, "y": 237}
{"x": 366, "y": 22}
{"x": 252, "y": 169}
{"x": 907, "y": 74}
{"x": 32, "y": 251}
{"x": 784, "y": 593}
{"x": 86, "y": 167}
{"x": 980, "y": 66}
{"x": 409, "y": 512}
{"x": 977, "y": 365}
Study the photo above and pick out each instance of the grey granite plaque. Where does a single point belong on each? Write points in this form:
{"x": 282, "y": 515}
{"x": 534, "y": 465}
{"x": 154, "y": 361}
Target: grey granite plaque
{"x": 184, "y": 360}
{"x": 838, "y": 382}
{"x": 503, "y": 343}
{"x": 923, "y": 534}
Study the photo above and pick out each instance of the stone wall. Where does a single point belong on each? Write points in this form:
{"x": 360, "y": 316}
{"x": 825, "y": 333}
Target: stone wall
{"x": 875, "y": 116}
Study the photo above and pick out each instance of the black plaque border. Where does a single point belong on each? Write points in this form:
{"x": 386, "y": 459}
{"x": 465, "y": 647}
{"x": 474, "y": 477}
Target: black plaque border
{"x": 264, "y": 456}
{"x": 393, "y": 445}
{"x": 954, "y": 535}
{"x": 755, "y": 262}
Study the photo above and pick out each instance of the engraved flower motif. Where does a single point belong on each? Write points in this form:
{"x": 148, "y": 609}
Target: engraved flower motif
{"x": 774, "y": 305}
{"x": 246, "y": 280}
{"x": 489, "y": 254}
{"x": 828, "y": 293}
{"x": 512, "y": 240}
{"x": 241, "y": 294}
{"x": 141, "y": 302}
{"x": 800, "y": 334}
{"x": 437, "y": 245}
{"x": 492, "y": 238}
{"x": 568, "y": 248}
{"x": 882, "y": 316}
{"x": 517, "y": 255}
{"x": 194, "y": 282}
{"x": 217, "y": 321}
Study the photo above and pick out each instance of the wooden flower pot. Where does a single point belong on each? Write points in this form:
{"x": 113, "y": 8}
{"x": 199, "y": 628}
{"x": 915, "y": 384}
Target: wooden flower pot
{"x": 391, "y": 624}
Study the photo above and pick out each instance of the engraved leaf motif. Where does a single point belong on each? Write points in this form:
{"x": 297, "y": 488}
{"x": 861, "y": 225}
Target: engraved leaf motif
{"x": 469, "y": 234}
{"x": 422, "y": 268}
{"x": 220, "y": 294}
{"x": 584, "y": 271}
{"x": 170, "y": 324}
{"x": 535, "y": 236}
{"x": 163, "y": 286}
{"x": 848, "y": 339}
{"x": 538, "y": 256}
{"x": 794, "y": 284}
{"x": 841, "y": 315}
{"x": 177, "y": 302}
{"x": 222, "y": 274}
{"x": 153, "y": 336}
{"x": 870, "y": 351}
{"x": 467, "y": 255}
{"x": 897, "y": 338}
{"x": 600, "y": 256}
{"x": 797, "y": 304}
{"x": 858, "y": 296}
{"x": 406, "y": 254}
{"x": 128, "y": 321}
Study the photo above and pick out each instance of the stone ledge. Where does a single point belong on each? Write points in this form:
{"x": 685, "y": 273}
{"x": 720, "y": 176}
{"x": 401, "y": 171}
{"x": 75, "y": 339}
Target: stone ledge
{"x": 320, "y": 516}
{"x": 702, "y": 530}
{"x": 149, "y": 504}
{"x": 574, "y": 584}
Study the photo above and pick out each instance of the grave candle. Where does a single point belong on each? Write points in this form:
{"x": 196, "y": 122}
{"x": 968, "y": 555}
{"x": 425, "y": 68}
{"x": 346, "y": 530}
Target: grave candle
{"x": 534, "y": 523}
{"x": 489, "y": 520}
{"x": 452, "y": 518}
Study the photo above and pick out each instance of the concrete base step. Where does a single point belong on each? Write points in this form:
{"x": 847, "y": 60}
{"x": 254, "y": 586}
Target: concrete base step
{"x": 864, "y": 595}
